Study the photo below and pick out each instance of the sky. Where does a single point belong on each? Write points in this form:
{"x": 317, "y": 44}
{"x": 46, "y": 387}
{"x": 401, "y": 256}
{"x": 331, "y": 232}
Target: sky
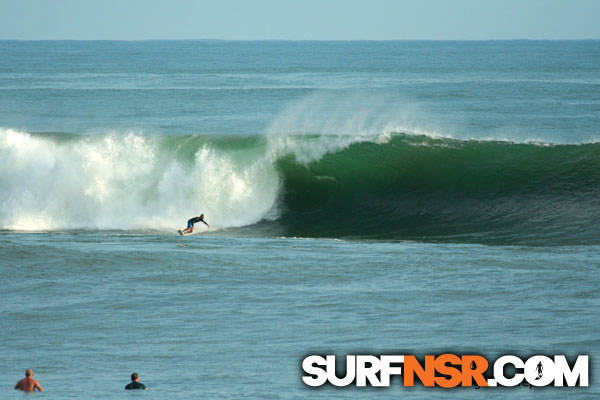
{"x": 300, "y": 19}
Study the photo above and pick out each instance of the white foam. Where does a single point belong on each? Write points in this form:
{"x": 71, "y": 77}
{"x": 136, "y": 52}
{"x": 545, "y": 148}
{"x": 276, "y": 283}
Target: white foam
{"x": 124, "y": 181}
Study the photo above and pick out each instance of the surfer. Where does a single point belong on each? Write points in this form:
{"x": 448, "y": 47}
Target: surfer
{"x": 135, "y": 383}
{"x": 28, "y": 384}
{"x": 192, "y": 221}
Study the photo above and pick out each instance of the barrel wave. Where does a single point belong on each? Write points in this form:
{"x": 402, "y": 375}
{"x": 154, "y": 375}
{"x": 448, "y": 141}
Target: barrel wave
{"x": 393, "y": 186}
{"x": 420, "y": 188}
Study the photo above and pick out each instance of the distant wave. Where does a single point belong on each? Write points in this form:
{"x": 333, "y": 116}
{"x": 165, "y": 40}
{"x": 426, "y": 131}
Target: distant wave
{"x": 392, "y": 186}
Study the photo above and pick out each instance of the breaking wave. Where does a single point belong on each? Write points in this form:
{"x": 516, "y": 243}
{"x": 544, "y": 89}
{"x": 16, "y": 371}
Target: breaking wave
{"x": 398, "y": 186}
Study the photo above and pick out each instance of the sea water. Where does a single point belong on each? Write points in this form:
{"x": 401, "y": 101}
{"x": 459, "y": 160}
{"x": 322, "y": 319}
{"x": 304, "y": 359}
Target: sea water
{"x": 363, "y": 197}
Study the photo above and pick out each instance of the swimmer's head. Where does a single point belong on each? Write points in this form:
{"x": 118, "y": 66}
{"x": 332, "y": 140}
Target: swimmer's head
{"x": 134, "y": 376}
{"x": 29, "y": 372}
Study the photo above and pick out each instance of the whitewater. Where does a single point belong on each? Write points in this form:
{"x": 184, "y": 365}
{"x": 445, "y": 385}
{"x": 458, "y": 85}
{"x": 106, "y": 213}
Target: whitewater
{"x": 126, "y": 181}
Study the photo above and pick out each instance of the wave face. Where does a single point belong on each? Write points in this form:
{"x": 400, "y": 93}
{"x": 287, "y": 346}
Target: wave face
{"x": 388, "y": 186}
{"x": 420, "y": 188}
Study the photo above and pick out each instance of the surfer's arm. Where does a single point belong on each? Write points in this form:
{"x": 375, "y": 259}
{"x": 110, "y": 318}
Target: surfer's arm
{"x": 206, "y": 223}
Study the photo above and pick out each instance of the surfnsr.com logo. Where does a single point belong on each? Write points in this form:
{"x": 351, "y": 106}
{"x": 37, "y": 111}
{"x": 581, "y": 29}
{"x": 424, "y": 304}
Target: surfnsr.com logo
{"x": 447, "y": 371}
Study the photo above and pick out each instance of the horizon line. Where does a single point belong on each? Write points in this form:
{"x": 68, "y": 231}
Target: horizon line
{"x": 298, "y": 40}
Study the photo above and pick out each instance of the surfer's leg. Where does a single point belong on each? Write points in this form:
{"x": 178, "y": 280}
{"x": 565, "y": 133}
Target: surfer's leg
{"x": 190, "y": 227}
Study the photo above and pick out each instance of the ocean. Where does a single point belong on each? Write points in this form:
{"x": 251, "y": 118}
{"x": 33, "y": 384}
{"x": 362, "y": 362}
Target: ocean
{"x": 386, "y": 197}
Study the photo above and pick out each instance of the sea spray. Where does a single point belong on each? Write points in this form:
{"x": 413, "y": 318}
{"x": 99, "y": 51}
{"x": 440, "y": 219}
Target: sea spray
{"x": 326, "y": 122}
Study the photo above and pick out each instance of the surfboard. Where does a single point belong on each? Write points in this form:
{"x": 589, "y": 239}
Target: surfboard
{"x": 182, "y": 233}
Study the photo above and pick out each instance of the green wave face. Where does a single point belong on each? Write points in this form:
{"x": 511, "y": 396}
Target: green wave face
{"x": 419, "y": 188}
